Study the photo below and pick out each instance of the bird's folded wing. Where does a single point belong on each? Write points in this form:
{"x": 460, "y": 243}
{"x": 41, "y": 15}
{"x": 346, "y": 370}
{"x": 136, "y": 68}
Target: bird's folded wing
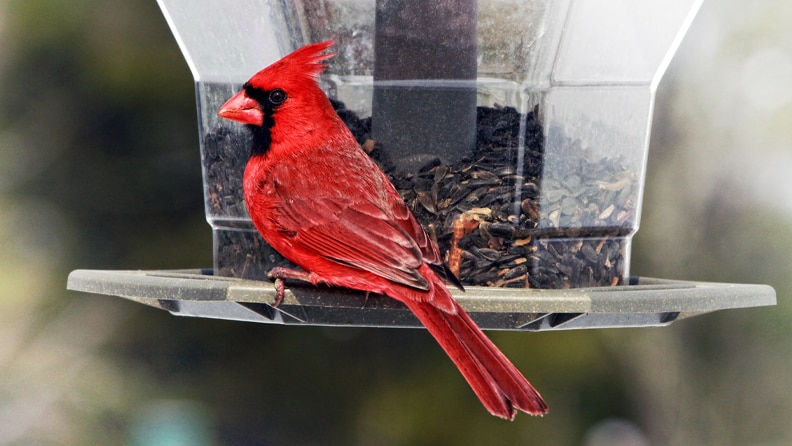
{"x": 355, "y": 233}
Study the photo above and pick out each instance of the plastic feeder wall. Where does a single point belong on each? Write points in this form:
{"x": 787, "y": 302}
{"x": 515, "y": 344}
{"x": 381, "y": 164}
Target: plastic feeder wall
{"x": 517, "y": 131}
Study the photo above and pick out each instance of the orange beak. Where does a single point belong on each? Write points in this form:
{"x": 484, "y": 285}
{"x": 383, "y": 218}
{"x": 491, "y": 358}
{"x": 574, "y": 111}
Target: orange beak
{"x": 241, "y": 108}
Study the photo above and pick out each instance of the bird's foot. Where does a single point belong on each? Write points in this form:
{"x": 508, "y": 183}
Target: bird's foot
{"x": 280, "y": 292}
{"x": 365, "y": 300}
{"x": 280, "y": 273}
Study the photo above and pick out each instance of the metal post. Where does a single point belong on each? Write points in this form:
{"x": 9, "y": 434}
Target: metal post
{"x": 424, "y": 102}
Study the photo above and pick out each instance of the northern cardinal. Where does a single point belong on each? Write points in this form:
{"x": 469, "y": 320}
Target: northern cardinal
{"x": 319, "y": 200}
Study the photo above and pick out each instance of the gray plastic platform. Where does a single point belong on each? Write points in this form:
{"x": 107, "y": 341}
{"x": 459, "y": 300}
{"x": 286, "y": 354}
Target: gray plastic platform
{"x": 645, "y": 302}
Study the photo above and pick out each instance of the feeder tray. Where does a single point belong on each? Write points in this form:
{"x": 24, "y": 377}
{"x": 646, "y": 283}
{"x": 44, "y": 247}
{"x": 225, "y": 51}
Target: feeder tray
{"x": 645, "y": 302}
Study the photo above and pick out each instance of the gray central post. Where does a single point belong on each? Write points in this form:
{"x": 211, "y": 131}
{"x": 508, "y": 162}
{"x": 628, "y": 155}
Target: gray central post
{"x": 424, "y": 102}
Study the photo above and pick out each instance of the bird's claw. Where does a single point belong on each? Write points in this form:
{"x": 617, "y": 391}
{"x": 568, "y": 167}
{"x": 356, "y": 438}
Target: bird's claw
{"x": 280, "y": 292}
{"x": 365, "y": 300}
{"x": 278, "y": 274}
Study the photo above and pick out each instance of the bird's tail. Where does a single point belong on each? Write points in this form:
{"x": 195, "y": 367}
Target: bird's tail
{"x": 501, "y": 388}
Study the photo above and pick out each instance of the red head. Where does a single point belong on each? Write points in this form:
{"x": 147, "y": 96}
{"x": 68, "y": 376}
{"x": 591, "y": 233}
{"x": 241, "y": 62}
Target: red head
{"x": 285, "y": 92}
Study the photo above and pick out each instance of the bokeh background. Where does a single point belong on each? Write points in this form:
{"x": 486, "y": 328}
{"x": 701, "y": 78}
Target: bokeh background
{"x": 99, "y": 168}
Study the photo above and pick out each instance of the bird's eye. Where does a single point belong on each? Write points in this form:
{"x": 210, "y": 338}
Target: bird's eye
{"x": 276, "y": 97}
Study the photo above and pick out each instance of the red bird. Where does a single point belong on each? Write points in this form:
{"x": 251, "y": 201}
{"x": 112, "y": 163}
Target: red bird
{"x": 319, "y": 200}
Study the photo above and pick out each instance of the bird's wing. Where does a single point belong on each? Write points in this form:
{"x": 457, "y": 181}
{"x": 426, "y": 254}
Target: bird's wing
{"x": 353, "y": 231}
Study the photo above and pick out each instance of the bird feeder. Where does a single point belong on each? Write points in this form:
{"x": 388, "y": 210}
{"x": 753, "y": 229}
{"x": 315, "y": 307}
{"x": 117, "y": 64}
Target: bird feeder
{"x": 516, "y": 131}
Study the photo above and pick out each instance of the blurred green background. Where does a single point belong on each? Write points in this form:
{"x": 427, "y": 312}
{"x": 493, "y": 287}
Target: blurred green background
{"x": 99, "y": 168}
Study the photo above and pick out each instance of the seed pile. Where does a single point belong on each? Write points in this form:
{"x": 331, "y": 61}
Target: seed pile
{"x": 501, "y": 216}
{"x": 499, "y": 222}
{"x": 224, "y": 155}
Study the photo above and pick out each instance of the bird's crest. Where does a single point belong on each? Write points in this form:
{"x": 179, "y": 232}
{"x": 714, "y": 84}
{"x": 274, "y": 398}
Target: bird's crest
{"x": 305, "y": 63}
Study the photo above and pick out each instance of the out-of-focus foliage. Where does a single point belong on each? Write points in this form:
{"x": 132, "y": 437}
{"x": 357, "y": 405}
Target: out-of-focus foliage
{"x": 99, "y": 168}
{"x": 718, "y": 207}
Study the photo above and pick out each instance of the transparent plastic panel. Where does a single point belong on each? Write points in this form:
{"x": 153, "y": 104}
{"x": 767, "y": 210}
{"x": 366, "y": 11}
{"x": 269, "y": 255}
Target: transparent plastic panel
{"x": 517, "y": 39}
{"x": 227, "y": 41}
{"x": 621, "y": 41}
{"x": 224, "y": 153}
{"x": 595, "y": 158}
